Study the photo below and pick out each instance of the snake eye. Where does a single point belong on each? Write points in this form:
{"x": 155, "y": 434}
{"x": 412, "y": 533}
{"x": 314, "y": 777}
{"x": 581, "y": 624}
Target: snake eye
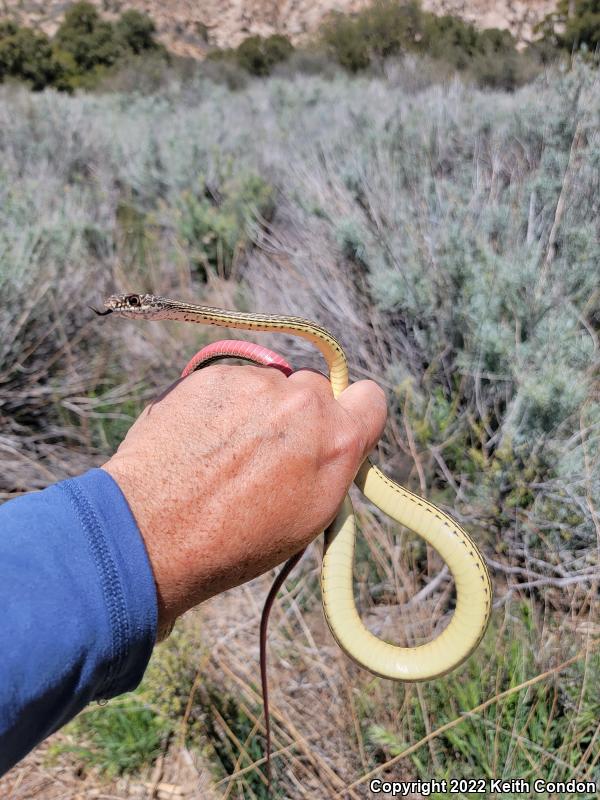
{"x": 134, "y": 300}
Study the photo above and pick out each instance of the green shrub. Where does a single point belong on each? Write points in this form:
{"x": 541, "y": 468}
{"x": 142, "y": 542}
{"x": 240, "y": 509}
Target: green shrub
{"x": 489, "y": 56}
{"x": 573, "y": 25}
{"x": 88, "y": 52}
{"x": 390, "y": 28}
{"x": 27, "y": 55}
{"x": 344, "y": 40}
{"x": 89, "y": 48}
{"x": 219, "y": 54}
{"x": 450, "y": 39}
{"x": 386, "y": 28}
{"x": 213, "y": 224}
{"x": 90, "y": 40}
{"x": 136, "y": 32}
{"x": 256, "y": 54}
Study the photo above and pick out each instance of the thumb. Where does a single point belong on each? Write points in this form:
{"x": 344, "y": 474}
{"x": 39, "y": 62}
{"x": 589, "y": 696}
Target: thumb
{"x": 366, "y": 407}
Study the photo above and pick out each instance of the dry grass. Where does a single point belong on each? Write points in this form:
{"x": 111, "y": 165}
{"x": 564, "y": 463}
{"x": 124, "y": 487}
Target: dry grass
{"x": 433, "y": 230}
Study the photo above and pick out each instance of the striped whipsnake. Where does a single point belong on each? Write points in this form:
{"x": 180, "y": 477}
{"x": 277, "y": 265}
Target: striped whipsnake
{"x": 473, "y": 588}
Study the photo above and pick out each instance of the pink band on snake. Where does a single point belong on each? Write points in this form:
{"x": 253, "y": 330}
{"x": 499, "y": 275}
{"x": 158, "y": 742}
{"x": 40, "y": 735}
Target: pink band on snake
{"x": 233, "y": 348}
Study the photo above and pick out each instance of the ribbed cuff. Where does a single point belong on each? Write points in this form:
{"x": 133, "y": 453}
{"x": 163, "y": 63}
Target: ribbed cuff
{"x": 125, "y": 576}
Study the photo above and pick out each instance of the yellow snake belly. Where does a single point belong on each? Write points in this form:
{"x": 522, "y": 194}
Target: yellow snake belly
{"x": 473, "y": 588}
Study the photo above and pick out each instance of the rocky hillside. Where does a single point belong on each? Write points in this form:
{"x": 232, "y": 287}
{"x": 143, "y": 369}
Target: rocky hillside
{"x": 189, "y": 27}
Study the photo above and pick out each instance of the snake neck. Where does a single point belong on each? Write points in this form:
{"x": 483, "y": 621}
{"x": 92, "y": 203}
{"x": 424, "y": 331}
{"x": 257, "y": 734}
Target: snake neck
{"x": 324, "y": 341}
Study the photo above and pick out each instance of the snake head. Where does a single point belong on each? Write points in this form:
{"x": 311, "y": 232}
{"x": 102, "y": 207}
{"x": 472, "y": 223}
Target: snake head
{"x": 132, "y": 305}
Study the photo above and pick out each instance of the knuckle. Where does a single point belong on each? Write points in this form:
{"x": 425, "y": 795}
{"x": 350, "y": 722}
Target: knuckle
{"x": 257, "y": 380}
{"x": 346, "y": 445}
{"x": 304, "y": 399}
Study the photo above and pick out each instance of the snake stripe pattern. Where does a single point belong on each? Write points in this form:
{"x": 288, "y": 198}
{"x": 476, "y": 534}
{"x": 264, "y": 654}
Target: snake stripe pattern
{"x": 473, "y": 587}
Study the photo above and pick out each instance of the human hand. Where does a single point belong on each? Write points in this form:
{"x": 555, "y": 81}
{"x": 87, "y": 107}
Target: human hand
{"x": 235, "y": 469}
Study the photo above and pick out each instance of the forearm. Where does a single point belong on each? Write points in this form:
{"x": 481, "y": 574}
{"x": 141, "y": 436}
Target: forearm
{"x": 78, "y": 604}
{"x": 225, "y": 476}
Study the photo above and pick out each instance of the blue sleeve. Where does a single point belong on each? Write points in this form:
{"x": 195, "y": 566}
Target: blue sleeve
{"x": 78, "y": 610}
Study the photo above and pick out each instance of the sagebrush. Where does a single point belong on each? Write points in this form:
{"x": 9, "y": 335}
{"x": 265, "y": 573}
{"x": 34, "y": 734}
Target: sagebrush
{"x": 450, "y": 239}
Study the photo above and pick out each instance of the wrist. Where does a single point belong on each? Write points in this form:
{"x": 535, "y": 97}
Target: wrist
{"x": 142, "y": 511}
